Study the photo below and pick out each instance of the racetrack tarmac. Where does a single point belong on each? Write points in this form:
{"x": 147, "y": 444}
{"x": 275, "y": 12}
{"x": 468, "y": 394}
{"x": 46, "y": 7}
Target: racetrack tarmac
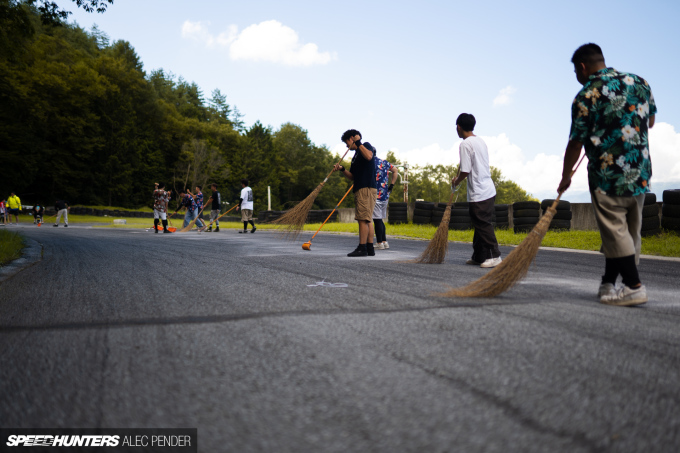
{"x": 122, "y": 328}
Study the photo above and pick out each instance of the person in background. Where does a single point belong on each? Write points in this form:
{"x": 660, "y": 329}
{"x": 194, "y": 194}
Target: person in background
{"x": 187, "y": 201}
{"x": 3, "y": 211}
{"x": 38, "y": 212}
{"x": 199, "y": 203}
{"x": 160, "y": 207}
{"x": 610, "y": 118}
{"x": 384, "y": 184}
{"x": 215, "y": 207}
{"x": 481, "y": 192}
{"x": 362, "y": 172}
{"x": 62, "y": 208}
{"x": 13, "y": 208}
{"x": 246, "y": 205}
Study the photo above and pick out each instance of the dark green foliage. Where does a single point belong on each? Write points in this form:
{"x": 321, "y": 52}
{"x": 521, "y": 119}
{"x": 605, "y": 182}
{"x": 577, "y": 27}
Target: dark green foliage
{"x": 81, "y": 120}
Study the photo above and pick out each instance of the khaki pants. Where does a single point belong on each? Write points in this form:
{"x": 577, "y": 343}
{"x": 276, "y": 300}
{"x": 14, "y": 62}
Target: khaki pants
{"x": 620, "y": 221}
{"x": 365, "y": 199}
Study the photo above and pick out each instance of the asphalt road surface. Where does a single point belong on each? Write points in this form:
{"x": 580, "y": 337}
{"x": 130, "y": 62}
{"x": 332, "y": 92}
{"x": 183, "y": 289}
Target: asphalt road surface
{"x": 219, "y": 331}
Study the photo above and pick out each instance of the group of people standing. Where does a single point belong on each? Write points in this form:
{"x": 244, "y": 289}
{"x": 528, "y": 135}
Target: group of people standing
{"x": 193, "y": 203}
{"x": 611, "y": 117}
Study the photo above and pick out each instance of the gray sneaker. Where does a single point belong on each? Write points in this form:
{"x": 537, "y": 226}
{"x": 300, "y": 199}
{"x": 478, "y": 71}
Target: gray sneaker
{"x": 626, "y": 297}
{"x": 606, "y": 289}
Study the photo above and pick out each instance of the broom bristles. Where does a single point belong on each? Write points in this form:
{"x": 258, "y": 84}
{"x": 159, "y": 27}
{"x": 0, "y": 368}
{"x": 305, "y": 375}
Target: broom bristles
{"x": 513, "y": 268}
{"x": 436, "y": 250}
{"x": 294, "y": 219}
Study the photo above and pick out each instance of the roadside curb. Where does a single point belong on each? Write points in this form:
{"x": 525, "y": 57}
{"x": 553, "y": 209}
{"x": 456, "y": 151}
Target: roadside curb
{"x": 30, "y": 255}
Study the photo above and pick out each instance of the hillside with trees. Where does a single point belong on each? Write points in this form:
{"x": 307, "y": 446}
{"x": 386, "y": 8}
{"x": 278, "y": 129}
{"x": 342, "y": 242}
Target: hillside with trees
{"x": 82, "y": 120}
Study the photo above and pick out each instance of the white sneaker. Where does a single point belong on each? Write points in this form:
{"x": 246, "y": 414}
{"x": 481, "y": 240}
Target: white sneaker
{"x": 606, "y": 289}
{"x": 626, "y": 297}
{"x": 386, "y": 245}
{"x": 380, "y": 246}
{"x": 491, "y": 262}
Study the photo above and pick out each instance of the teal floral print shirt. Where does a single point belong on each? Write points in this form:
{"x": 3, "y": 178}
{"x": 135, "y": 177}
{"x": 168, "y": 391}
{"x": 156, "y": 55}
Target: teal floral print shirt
{"x": 610, "y": 116}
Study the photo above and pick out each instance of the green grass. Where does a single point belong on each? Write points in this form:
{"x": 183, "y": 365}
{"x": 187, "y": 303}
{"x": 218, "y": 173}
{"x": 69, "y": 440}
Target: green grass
{"x": 11, "y": 245}
{"x": 667, "y": 244}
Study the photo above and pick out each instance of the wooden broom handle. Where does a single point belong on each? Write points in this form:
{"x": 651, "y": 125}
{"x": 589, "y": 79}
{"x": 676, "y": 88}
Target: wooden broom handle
{"x": 329, "y": 174}
{"x": 559, "y": 195}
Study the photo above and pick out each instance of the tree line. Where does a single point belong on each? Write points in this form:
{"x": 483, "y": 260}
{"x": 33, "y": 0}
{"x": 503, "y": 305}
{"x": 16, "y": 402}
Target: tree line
{"x": 81, "y": 120}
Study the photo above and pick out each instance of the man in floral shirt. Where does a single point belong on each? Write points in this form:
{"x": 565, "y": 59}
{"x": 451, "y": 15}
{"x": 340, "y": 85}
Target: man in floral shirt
{"x": 160, "y": 207}
{"x": 611, "y": 116}
{"x": 383, "y": 169}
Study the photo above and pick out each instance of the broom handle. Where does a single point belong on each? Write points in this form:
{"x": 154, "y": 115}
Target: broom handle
{"x": 227, "y": 212}
{"x": 329, "y": 215}
{"x": 559, "y": 195}
{"x": 329, "y": 174}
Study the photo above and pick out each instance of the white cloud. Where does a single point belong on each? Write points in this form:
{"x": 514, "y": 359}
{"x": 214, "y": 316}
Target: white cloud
{"x": 503, "y": 97}
{"x": 269, "y": 41}
{"x": 664, "y": 149}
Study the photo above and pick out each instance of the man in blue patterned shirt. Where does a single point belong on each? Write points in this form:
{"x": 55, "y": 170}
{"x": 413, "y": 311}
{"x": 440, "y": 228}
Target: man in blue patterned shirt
{"x": 610, "y": 117}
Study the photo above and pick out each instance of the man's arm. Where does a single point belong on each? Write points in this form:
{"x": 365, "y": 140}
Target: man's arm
{"x": 344, "y": 171}
{"x": 571, "y": 155}
{"x": 651, "y": 121}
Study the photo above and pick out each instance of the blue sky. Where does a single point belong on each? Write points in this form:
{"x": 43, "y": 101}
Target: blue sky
{"x": 401, "y": 72}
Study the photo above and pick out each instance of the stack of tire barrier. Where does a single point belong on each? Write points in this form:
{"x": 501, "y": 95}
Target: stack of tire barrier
{"x": 670, "y": 211}
{"x": 423, "y": 212}
{"x": 525, "y": 215}
{"x": 438, "y": 213}
{"x": 501, "y": 219}
{"x": 651, "y": 224}
{"x": 460, "y": 217}
{"x": 562, "y": 218}
{"x": 268, "y": 216}
{"x": 397, "y": 212}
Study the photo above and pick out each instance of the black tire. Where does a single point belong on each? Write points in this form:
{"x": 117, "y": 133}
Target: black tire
{"x": 502, "y": 219}
{"x": 670, "y": 223}
{"x": 421, "y": 220}
{"x": 650, "y": 223}
{"x": 393, "y": 219}
{"x": 396, "y": 222}
{"x": 523, "y": 228}
{"x": 429, "y": 205}
{"x": 526, "y": 213}
{"x": 502, "y": 225}
{"x": 563, "y": 205}
{"x": 670, "y": 210}
{"x": 648, "y": 233}
{"x": 671, "y": 196}
{"x": 460, "y": 226}
{"x": 650, "y": 198}
{"x": 526, "y": 205}
{"x": 560, "y": 225}
{"x": 461, "y": 219}
{"x": 398, "y": 205}
{"x": 501, "y": 207}
{"x": 461, "y": 204}
{"x": 397, "y": 208}
{"x": 422, "y": 212}
{"x": 460, "y": 211}
{"x": 525, "y": 221}
{"x": 650, "y": 211}
{"x": 563, "y": 215}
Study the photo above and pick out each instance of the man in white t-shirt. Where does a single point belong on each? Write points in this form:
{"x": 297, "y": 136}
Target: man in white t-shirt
{"x": 481, "y": 192}
{"x": 245, "y": 204}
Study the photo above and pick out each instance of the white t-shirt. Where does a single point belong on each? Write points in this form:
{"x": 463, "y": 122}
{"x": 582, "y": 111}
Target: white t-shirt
{"x": 247, "y": 196}
{"x": 474, "y": 160}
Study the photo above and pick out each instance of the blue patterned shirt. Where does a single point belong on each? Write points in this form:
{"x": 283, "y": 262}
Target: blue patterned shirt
{"x": 610, "y": 117}
{"x": 382, "y": 178}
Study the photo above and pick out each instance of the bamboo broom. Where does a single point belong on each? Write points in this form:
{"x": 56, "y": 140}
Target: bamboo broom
{"x": 436, "y": 250}
{"x": 212, "y": 221}
{"x": 308, "y": 245}
{"x": 294, "y": 219}
{"x": 193, "y": 222}
{"x": 516, "y": 265}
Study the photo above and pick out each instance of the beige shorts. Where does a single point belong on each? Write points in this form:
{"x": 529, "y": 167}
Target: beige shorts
{"x": 620, "y": 221}
{"x": 365, "y": 203}
{"x": 246, "y": 214}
